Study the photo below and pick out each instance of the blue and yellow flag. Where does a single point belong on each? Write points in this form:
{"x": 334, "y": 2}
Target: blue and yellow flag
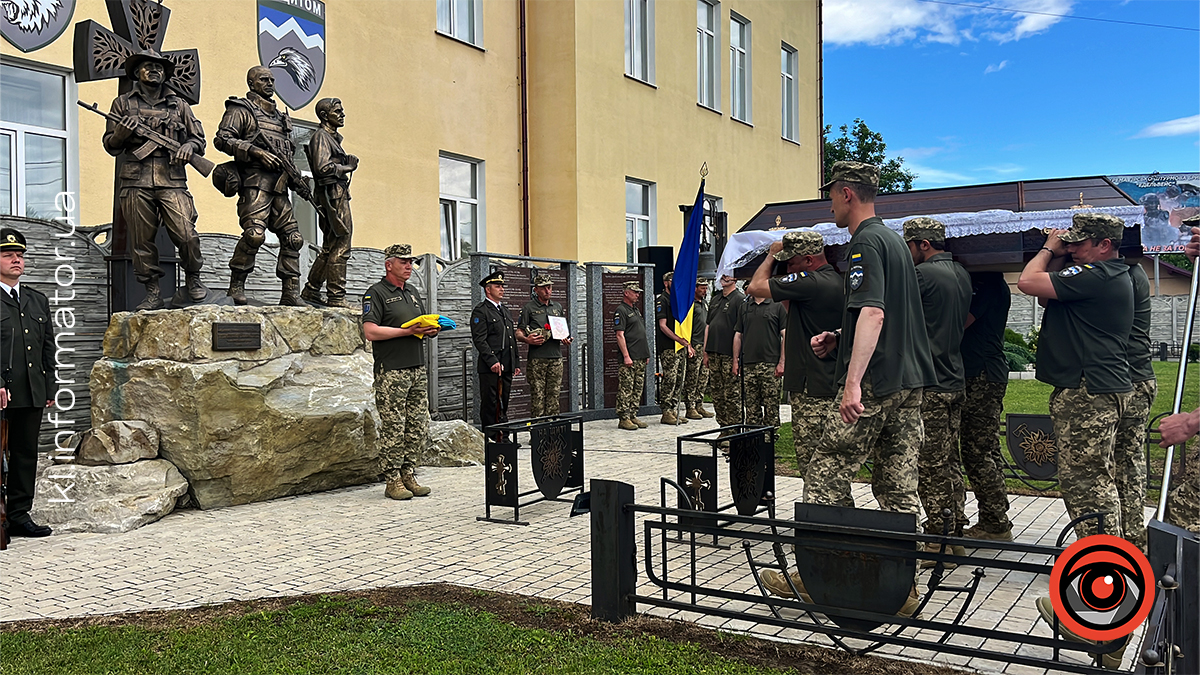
{"x": 683, "y": 284}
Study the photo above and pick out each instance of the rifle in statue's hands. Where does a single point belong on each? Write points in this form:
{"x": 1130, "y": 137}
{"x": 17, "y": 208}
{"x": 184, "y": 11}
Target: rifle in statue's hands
{"x": 296, "y": 180}
{"x": 154, "y": 141}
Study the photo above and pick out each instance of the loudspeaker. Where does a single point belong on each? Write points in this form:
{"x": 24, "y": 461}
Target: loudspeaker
{"x": 663, "y": 258}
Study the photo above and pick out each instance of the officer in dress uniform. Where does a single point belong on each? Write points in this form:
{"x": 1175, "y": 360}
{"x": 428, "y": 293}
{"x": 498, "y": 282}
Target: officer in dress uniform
{"x": 495, "y": 339}
{"x": 26, "y": 364}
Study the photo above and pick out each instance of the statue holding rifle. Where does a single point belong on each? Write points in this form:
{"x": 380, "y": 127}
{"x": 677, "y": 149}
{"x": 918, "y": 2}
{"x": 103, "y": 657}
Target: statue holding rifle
{"x": 259, "y": 137}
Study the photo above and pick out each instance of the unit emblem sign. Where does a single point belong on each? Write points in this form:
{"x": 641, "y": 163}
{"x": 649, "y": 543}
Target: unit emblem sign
{"x": 552, "y": 457}
{"x": 1033, "y": 445}
{"x": 291, "y": 42}
{"x": 33, "y": 24}
{"x": 500, "y": 462}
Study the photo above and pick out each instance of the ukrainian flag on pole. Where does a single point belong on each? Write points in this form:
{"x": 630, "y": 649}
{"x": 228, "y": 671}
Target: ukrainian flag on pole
{"x": 683, "y": 284}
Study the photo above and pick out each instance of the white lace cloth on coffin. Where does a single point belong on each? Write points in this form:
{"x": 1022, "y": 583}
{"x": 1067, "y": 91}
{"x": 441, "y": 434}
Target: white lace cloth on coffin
{"x": 744, "y": 247}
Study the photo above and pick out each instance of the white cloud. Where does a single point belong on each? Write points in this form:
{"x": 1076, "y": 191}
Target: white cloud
{"x": 1002, "y": 169}
{"x": 995, "y": 68}
{"x": 930, "y": 177}
{"x": 896, "y": 21}
{"x": 1184, "y": 126}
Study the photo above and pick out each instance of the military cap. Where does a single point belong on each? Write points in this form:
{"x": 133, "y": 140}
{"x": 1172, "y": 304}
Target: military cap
{"x": 11, "y": 240}
{"x": 1094, "y": 226}
{"x": 398, "y": 251}
{"x": 924, "y": 229}
{"x": 138, "y": 58}
{"x": 542, "y": 280}
{"x": 853, "y": 172}
{"x": 702, "y": 281}
{"x": 668, "y": 276}
{"x": 633, "y": 286}
{"x": 805, "y": 242}
{"x": 493, "y": 278}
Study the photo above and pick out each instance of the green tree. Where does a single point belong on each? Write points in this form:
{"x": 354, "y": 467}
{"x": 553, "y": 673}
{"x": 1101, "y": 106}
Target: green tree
{"x": 860, "y": 144}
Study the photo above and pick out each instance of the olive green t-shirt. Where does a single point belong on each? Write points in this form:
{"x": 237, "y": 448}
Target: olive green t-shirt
{"x": 880, "y": 274}
{"x": 629, "y": 320}
{"x": 945, "y": 301}
{"x": 723, "y": 314}
{"x": 1138, "y": 349}
{"x": 699, "y": 322}
{"x": 536, "y": 315}
{"x": 662, "y": 310}
{"x": 1084, "y": 331}
{"x": 760, "y": 324}
{"x": 815, "y": 305}
{"x": 392, "y": 306}
{"x": 983, "y": 340}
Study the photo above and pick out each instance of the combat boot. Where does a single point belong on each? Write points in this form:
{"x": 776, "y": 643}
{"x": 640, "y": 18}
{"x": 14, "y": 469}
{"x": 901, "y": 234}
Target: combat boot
{"x": 311, "y": 294}
{"x": 396, "y": 490}
{"x": 410, "y": 483}
{"x": 1111, "y": 661}
{"x": 196, "y": 290}
{"x": 153, "y": 299}
{"x": 640, "y": 424}
{"x": 910, "y": 606}
{"x": 628, "y": 425}
{"x": 290, "y": 296}
{"x": 703, "y": 413}
{"x": 336, "y": 300}
{"x": 668, "y": 417}
{"x": 978, "y": 532}
{"x": 693, "y": 414}
{"x": 237, "y": 287}
{"x": 776, "y": 584}
{"x": 931, "y": 547}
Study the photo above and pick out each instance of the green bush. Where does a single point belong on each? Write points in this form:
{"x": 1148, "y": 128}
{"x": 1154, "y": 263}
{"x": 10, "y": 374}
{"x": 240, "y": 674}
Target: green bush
{"x": 1194, "y": 352}
{"x": 1031, "y": 340}
{"x": 1012, "y": 337}
{"x": 1018, "y": 356}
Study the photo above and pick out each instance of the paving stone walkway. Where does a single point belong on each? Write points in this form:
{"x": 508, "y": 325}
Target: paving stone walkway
{"x": 355, "y": 538}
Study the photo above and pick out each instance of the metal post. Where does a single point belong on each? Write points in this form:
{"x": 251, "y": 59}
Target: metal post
{"x": 465, "y": 384}
{"x": 576, "y": 349}
{"x": 430, "y": 276}
{"x": 1179, "y": 380}
{"x": 614, "y": 564}
{"x": 1157, "y": 290}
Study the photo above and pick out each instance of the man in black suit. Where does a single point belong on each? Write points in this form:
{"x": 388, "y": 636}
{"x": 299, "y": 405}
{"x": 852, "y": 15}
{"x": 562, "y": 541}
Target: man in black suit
{"x": 493, "y": 333}
{"x": 26, "y": 364}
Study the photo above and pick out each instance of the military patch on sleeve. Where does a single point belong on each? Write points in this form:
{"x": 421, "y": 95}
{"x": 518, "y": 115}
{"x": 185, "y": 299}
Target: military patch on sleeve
{"x": 366, "y": 304}
{"x": 617, "y": 320}
{"x": 788, "y": 279}
{"x": 476, "y": 319}
{"x": 857, "y": 276}
{"x": 1071, "y": 271}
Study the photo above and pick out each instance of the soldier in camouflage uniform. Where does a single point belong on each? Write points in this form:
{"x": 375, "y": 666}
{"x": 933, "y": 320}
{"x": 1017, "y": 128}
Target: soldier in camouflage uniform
{"x": 1082, "y": 353}
{"x": 635, "y": 353}
{"x": 723, "y": 387}
{"x": 758, "y": 357}
{"x": 545, "y": 369}
{"x": 696, "y": 379}
{"x": 1129, "y": 451}
{"x": 400, "y": 378}
{"x": 672, "y": 362}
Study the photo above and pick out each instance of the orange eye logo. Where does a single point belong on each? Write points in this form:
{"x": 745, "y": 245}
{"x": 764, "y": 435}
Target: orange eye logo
{"x": 1102, "y": 587}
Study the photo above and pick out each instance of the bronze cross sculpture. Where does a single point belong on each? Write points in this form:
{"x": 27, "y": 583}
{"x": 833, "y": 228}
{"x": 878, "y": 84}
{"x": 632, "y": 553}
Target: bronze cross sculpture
{"x": 696, "y": 483}
{"x": 501, "y": 468}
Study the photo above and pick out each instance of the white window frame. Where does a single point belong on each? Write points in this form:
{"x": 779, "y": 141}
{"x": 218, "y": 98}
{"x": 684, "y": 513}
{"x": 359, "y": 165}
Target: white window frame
{"x": 639, "y": 40}
{"x": 310, "y": 227}
{"x": 789, "y": 93}
{"x": 458, "y": 28}
{"x": 70, "y": 136}
{"x": 740, "y": 88}
{"x": 454, "y": 201}
{"x": 708, "y": 48}
{"x": 647, "y": 220}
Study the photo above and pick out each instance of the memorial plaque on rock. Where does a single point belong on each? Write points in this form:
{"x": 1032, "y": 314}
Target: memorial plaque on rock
{"x": 236, "y": 337}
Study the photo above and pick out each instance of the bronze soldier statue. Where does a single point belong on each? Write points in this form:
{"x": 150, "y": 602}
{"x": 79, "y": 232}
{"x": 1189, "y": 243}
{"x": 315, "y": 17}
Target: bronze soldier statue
{"x": 259, "y": 137}
{"x": 152, "y": 191}
{"x": 331, "y": 167}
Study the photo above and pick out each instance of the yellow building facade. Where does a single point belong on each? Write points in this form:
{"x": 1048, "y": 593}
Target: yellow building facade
{"x": 622, "y": 101}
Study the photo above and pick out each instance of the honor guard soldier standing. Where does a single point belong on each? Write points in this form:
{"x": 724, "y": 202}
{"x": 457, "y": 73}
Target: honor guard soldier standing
{"x": 986, "y": 371}
{"x": 331, "y": 168}
{"x": 946, "y": 301}
{"x": 812, "y": 290}
{"x": 26, "y": 374}
{"x": 635, "y": 353}
{"x": 153, "y": 191}
{"x": 1129, "y": 451}
{"x": 758, "y": 350}
{"x": 723, "y": 313}
{"x": 495, "y": 340}
{"x": 259, "y": 137}
{"x": 671, "y": 363}
{"x": 695, "y": 381}
{"x": 545, "y": 371}
{"x": 400, "y": 376}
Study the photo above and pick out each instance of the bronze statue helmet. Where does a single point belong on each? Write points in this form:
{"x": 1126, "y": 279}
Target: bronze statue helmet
{"x": 138, "y": 58}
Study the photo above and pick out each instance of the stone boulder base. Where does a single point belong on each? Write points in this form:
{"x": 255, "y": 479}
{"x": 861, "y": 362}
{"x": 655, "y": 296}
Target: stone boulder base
{"x": 296, "y": 416}
{"x": 120, "y": 442}
{"x": 453, "y": 443}
{"x": 106, "y": 499}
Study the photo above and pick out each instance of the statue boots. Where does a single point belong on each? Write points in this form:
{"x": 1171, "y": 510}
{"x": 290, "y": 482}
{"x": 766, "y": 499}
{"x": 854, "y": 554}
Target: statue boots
{"x": 311, "y": 294}
{"x": 336, "y": 285}
{"x": 410, "y": 483}
{"x": 290, "y": 296}
{"x": 153, "y": 299}
{"x": 196, "y": 290}
{"x": 237, "y": 287}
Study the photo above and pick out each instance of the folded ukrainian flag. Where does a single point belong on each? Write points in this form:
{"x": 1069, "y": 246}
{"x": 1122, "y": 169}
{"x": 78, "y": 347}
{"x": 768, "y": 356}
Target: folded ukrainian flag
{"x": 431, "y": 321}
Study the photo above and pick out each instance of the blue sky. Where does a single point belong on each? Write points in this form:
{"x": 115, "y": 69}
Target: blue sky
{"x": 974, "y": 96}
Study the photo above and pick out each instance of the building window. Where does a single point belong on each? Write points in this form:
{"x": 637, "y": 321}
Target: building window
{"x": 708, "y": 69}
{"x": 639, "y": 216}
{"x": 462, "y": 212}
{"x": 37, "y": 150}
{"x": 789, "y": 93}
{"x": 639, "y": 39}
{"x": 739, "y": 67}
{"x": 461, "y": 19}
{"x": 306, "y": 213}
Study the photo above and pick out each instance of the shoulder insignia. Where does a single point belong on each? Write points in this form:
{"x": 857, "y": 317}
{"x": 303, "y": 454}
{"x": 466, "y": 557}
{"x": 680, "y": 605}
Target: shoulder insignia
{"x": 857, "y": 276}
{"x": 855, "y": 256}
{"x": 476, "y": 319}
{"x": 1087, "y": 267}
{"x": 366, "y": 305}
{"x": 617, "y": 320}
{"x": 788, "y": 279}
{"x": 1070, "y": 271}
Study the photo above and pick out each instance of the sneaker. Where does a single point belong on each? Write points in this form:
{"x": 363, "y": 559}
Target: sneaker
{"x": 931, "y": 547}
{"x": 977, "y": 532}
{"x": 1111, "y": 661}
{"x": 776, "y": 584}
{"x": 628, "y": 425}
{"x": 640, "y": 424}
{"x": 396, "y": 490}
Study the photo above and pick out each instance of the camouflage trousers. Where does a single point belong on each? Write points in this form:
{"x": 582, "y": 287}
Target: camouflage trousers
{"x": 808, "y": 418}
{"x": 695, "y": 383}
{"x": 980, "y": 450}
{"x": 762, "y": 394}
{"x": 1085, "y": 426}
{"x": 724, "y": 389}
{"x": 545, "y": 384}
{"x": 1183, "y": 501}
{"x": 939, "y": 477}
{"x": 1129, "y": 461}
{"x": 403, "y": 404}
{"x": 890, "y": 432}
{"x": 673, "y": 366}
{"x": 631, "y": 383}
